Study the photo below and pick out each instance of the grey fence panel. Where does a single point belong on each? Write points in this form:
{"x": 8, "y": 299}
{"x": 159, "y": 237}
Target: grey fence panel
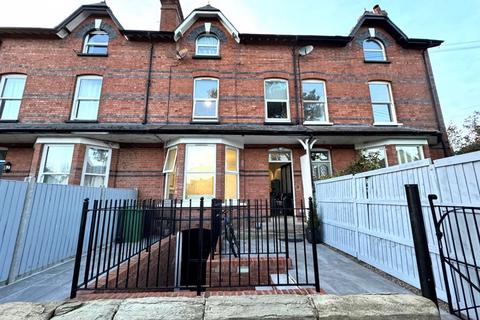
{"x": 12, "y": 196}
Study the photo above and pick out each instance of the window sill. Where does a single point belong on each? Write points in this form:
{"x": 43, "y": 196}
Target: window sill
{"x": 317, "y": 123}
{"x": 207, "y": 57}
{"x": 9, "y": 121}
{"x": 81, "y": 54}
{"x": 387, "y": 124}
{"x": 81, "y": 121}
{"x": 380, "y": 62}
{"x": 208, "y": 121}
{"x": 278, "y": 122}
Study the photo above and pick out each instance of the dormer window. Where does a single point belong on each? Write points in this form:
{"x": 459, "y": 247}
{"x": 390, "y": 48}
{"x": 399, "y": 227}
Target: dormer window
{"x": 373, "y": 50}
{"x": 96, "y": 43}
{"x": 207, "y": 45}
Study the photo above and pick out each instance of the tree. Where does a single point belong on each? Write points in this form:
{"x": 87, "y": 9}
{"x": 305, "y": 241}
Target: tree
{"x": 466, "y": 138}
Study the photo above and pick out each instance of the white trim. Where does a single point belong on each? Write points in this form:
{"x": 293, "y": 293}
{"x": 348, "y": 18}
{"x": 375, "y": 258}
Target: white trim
{"x": 327, "y": 119}
{"x": 318, "y": 123}
{"x": 106, "y": 175}
{"x": 205, "y": 118}
{"x": 236, "y": 172}
{"x": 87, "y": 43}
{"x": 77, "y": 140}
{"x": 193, "y": 17}
{"x": 214, "y": 172}
{"x": 381, "y": 143}
{"x": 393, "y": 113}
{"x": 4, "y": 148}
{"x": 41, "y": 171}
{"x": 216, "y": 54}
{"x": 3, "y": 79}
{"x": 226, "y": 142}
{"x": 174, "y": 160}
{"x": 377, "y": 41}
{"x": 267, "y": 119}
{"x": 76, "y": 97}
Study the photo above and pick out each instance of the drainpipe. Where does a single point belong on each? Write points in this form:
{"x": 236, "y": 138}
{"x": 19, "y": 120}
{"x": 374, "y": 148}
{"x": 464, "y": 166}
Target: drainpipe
{"x": 149, "y": 81}
{"x": 295, "y": 79}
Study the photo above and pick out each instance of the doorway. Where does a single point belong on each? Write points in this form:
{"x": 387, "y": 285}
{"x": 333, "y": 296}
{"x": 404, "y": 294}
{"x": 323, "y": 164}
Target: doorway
{"x": 281, "y": 182}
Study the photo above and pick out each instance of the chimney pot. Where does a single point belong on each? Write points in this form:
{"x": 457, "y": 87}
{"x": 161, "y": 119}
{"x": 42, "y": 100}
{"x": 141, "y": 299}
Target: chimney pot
{"x": 377, "y": 9}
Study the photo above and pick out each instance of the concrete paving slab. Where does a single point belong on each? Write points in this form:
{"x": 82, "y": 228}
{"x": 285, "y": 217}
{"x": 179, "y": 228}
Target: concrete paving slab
{"x": 164, "y": 308}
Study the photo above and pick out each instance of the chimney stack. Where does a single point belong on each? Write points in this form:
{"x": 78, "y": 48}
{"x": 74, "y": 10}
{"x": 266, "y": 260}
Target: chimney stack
{"x": 170, "y": 15}
{"x": 377, "y": 9}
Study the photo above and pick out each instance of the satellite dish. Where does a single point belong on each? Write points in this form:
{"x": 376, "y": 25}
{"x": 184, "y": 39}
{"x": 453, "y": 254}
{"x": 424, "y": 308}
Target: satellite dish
{"x": 303, "y": 51}
{"x": 181, "y": 54}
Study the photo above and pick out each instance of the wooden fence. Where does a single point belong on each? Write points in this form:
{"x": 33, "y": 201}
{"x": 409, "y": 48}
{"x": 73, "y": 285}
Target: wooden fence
{"x": 366, "y": 215}
{"x": 39, "y": 223}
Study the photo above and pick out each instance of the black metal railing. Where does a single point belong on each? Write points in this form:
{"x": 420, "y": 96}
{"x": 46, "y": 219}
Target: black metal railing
{"x": 176, "y": 244}
{"x": 458, "y": 234}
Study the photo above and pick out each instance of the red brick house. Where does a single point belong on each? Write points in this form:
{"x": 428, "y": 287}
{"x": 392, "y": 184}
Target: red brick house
{"x": 200, "y": 109}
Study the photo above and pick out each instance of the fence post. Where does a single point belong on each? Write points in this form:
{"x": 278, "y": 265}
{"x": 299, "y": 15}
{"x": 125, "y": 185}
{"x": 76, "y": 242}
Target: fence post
{"x": 314, "y": 245}
{"x": 424, "y": 262}
{"x": 200, "y": 245}
{"x": 78, "y": 255}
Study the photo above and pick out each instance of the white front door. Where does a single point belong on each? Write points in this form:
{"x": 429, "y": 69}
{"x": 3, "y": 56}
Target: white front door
{"x": 306, "y": 178}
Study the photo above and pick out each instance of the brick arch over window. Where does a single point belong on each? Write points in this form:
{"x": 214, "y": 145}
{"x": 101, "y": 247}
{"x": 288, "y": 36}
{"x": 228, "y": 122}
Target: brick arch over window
{"x": 378, "y": 36}
{"x": 193, "y": 35}
{"x": 85, "y": 29}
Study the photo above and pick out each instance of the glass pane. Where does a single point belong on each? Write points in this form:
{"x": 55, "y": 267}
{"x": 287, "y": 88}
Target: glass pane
{"x": 10, "y": 109}
{"x": 370, "y": 44}
{"x": 89, "y": 88}
{"x": 373, "y": 56}
{"x": 408, "y": 153}
{"x": 206, "y": 89}
{"x": 380, "y": 152}
{"x": 207, "y": 50}
{"x": 87, "y": 110}
{"x": 205, "y": 109}
{"x": 381, "y": 113}
{"x": 97, "y": 49}
{"x": 313, "y": 91}
{"x": 277, "y": 110}
{"x": 94, "y": 181}
{"x": 379, "y": 92}
{"x": 276, "y": 89}
{"x": 231, "y": 186}
{"x": 207, "y": 40}
{"x": 55, "y": 179}
{"x": 201, "y": 158}
{"x": 98, "y": 38}
{"x": 279, "y": 156}
{"x": 3, "y": 154}
{"x": 314, "y": 111}
{"x": 171, "y": 179}
{"x": 320, "y": 170}
{"x": 58, "y": 159}
{"x": 199, "y": 185}
{"x": 171, "y": 157}
{"x": 13, "y": 88}
{"x": 97, "y": 161}
{"x": 231, "y": 159}
{"x": 320, "y": 156}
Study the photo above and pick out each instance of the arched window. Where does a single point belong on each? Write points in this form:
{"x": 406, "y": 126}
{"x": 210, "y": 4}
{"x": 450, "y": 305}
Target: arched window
{"x": 96, "y": 42}
{"x": 373, "y": 50}
{"x": 207, "y": 45}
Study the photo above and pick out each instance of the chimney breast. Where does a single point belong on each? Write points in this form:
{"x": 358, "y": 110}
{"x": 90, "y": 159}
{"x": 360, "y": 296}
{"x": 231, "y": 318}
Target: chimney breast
{"x": 170, "y": 15}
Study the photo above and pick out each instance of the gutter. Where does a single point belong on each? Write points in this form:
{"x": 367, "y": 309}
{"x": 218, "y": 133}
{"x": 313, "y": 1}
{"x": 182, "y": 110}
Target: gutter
{"x": 149, "y": 81}
{"x": 295, "y": 81}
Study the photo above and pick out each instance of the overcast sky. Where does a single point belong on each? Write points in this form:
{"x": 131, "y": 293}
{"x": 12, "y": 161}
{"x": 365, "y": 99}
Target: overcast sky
{"x": 456, "y": 64}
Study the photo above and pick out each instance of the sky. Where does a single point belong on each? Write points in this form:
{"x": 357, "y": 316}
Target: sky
{"x": 456, "y": 64}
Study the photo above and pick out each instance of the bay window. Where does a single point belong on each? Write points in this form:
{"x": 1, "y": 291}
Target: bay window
{"x": 231, "y": 173}
{"x": 409, "y": 153}
{"x": 205, "y": 101}
{"x": 169, "y": 169}
{"x": 277, "y": 107}
{"x": 382, "y": 103}
{"x": 96, "y": 167}
{"x": 56, "y": 164}
{"x": 200, "y": 162}
{"x": 11, "y": 93}
{"x": 87, "y": 98}
{"x": 314, "y": 101}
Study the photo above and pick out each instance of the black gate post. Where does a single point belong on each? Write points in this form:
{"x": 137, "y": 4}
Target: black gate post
{"x": 200, "y": 245}
{"x": 424, "y": 262}
{"x": 312, "y": 211}
{"x": 78, "y": 255}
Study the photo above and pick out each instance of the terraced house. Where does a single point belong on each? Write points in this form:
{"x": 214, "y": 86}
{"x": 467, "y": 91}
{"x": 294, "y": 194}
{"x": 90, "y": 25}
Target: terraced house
{"x": 200, "y": 109}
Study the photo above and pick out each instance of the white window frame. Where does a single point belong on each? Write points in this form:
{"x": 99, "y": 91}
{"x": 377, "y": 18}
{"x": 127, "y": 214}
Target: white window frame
{"x": 197, "y": 45}
{"x": 205, "y": 118}
{"x": 418, "y": 146}
{"x": 384, "y": 55}
{"x": 236, "y": 172}
{"x": 329, "y": 158}
{"x": 327, "y": 121}
{"x": 377, "y": 147}
{"x": 41, "y": 172}
{"x": 76, "y": 99}
{"x": 391, "y": 103}
{"x": 3, "y": 80}
{"x": 267, "y": 119}
{"x": 106, "y": 175}
{"x": 168, "y": 172}
{"x": 187, "y": 147}
{"x": 87, "y": 43}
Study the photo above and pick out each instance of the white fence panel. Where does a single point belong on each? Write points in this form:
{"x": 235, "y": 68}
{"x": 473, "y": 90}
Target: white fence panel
{"x": 366, "y": 215}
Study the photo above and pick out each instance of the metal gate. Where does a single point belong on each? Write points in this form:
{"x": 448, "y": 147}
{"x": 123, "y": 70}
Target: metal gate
{"x": 458, "y": 233}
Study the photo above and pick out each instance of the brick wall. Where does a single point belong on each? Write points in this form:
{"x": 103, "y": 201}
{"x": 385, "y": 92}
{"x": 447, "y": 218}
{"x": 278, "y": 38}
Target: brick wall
{"x": 21, "y": 159}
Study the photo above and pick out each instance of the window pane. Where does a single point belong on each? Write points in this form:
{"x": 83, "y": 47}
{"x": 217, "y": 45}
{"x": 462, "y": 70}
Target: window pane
{"x": 94, "y": 181}
{"x": 206, "y": 89}
{"x": 277, "y": 110}
{"x": 379, "y": 92}
{"x": 199, "y": 185}
{"x": 201, "y": 158}
{"x": 408, "y": 153}
{"x": 205, "y": 109}
{"x": 380, "y": 152}
{"x": 170, "y": 185}
{"x": 97, "y": 49}
{"x": 320, "y": 156}
{"x": 313, "y": 91}
{"x": 98, "y": 38}
{"x": 314, "y": 111}
{"x": 208, "y": 40}
{"x": 370, "y": 44}
{"x": 55, "y": 179}
{"x": 171, "y": 157}
{"x": 320, "y": 169}
{"x": 207, "y": 50}
{"x": 276, "y": 89}
{"x": 13, "y": 88}
{"x": 279, "y": 156}
{"x": 58, "y": 159}
{"x": 381, "y": 113}
{"x": 89, "y": 88}
{"x": 231, "y": 159}
{"x": 97, "y": 161}
{"x": 11, "y": 109}
{"x": 87, "y": 110}
{"x": 3, "y": 154}
{"x": 373, "y": 55}
{"x": 231, "y": 186}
